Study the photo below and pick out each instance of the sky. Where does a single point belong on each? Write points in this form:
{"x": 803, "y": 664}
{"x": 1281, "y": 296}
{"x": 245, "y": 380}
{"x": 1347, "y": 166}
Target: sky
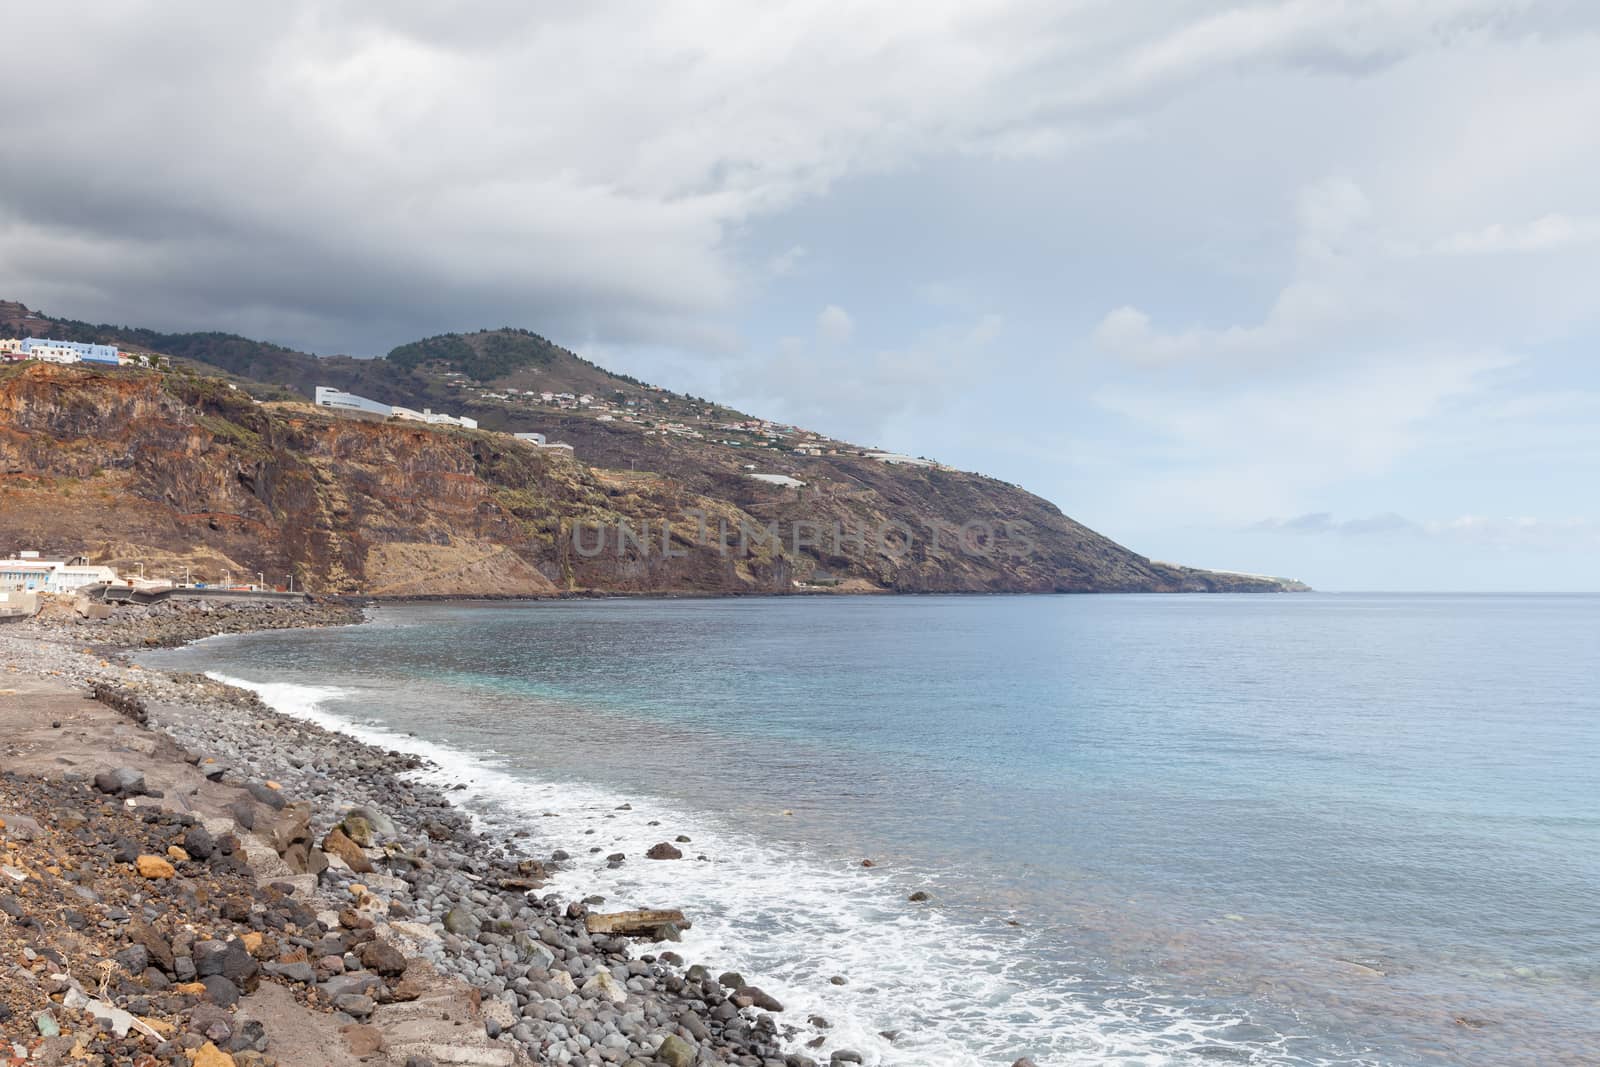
{"x": 1300, "y": 287}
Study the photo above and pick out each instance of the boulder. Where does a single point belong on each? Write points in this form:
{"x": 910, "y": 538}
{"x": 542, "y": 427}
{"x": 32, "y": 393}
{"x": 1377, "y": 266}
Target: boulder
{"x": 753, "y": 997}
{"x": 154, "y": 867}
{"x": 340, "y": 844}
{"x": 358, "y": 829}
{"x": 461, "y": 922}
{"x": 120, "y": 782}
{"x": 199, "y": 843}
{"x": 664, "y": 851}
{"x": 355, "y": 1005}
{"x": 209, "y": 1055}
{"x": 384, "y": 958}
{"x": 676, "y": 1052}
{"x": 602, "y": 985}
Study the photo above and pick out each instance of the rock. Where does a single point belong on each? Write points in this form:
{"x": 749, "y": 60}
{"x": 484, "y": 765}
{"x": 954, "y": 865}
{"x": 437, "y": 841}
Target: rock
{"x": 220, "y": 990}
{"x": 753, "y": 997}
{"x": 303, "y": 973}
{"x": 231, "y": 959}
{"x": 918, "y": 897}
{"x": 120, "y": 782}
{"x": 154, "y": 867}
{"x": 272, "y": 798}
{"x": 150, "y": 939}
{"x": 461, "y": 922}
{"x": 362, "y": 1040}
{"x": 676, "y": 1052}
{"x": 46, "y": 1024}
{"x": 845, "y": 1055}
{"x": 380, "y": 823}
{"x": 384, "y": 958}
{"x": 664, "y": 851}
{"x": 244, "y": 813}
{"x": 603, "y": 985}
{"x": 632, "y": 922}
{"x": 357, "y": 829}
{"x": 341, "y": 984}
{"x": 209, "y": 1055}
{"x": 212, "y": 1023}
{"x": 251, "y": 1035}
{"x": 355, "y": 1005}
{"x": 199, "y": 843}
{"x": 1024, "y": 1062}
{"x": 134, "y": 959}
{"x": 731, "y": 980}
{"x": 339, "y": 844}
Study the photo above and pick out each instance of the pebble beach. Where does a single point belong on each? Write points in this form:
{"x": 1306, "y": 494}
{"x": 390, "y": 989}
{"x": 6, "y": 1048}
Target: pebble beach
{"x": 192, "y": 878}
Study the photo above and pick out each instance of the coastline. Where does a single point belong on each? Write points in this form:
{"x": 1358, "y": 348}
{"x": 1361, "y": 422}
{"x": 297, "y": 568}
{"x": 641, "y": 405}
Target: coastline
{"x": 464, "y": 910}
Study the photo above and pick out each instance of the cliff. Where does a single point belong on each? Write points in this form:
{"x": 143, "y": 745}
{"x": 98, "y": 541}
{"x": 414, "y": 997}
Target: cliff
{"x": 179, "y": 472}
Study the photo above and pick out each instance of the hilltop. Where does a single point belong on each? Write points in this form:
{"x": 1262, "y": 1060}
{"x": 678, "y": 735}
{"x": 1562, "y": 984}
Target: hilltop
{"x": 222, "y": 465}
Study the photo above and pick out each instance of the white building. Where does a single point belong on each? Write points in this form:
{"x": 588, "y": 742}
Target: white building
{"x": 10, "y": 345}
{"x": 335, "y": 398}
{"x": 902, "y": 460}
{"x": 50, "y": 354}
{"x": 30, "y": 573}
{"x": 81, "y": 350}
{"x": 436, "y": 419}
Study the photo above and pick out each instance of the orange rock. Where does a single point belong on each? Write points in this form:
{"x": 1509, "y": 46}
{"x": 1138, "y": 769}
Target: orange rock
{"x": 252, "y": 941}
{"x": 209, "y": 1055}
{"x": 154, "y": 867}
{"x": 274, "y": 786}
{"x": 176, "y": 854}
{"x": 191, "y": 989}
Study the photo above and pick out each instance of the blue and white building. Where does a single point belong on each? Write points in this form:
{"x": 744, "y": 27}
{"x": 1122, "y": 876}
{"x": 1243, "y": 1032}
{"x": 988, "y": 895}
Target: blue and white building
{"x": 87, "y": 353}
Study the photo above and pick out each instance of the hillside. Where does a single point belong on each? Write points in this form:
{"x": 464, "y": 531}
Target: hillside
{"x": 207, "y": 471}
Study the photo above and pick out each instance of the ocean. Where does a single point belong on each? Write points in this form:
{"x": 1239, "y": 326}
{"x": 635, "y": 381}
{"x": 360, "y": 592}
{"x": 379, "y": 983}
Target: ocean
{"x": 1295, "y": 829}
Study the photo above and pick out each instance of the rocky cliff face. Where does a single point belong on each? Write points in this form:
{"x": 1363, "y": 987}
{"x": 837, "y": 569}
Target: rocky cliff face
{"x": 181, "y": 472}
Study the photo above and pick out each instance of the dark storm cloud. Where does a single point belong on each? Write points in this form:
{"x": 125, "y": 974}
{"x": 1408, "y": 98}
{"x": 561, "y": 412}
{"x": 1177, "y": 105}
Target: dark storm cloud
{"x": 344, "y": 176}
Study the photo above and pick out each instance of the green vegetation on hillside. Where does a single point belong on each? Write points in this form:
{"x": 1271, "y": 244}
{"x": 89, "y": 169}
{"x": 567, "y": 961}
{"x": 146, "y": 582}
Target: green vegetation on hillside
{"x": 445, "y": 348}
{"x": 483, "y": 356}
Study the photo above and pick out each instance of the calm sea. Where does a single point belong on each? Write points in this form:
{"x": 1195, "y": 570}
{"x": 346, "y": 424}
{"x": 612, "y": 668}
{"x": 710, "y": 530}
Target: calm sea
{"x": 1311, "y": 829}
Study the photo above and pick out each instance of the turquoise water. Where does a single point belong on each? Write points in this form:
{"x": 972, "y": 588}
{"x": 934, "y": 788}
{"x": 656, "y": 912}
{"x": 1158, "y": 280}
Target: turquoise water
{"x": 1290, "y": 829}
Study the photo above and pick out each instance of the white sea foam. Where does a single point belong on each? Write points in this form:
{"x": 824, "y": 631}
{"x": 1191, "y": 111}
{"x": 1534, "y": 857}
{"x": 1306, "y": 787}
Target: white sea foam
{"x": 957, "y": 994}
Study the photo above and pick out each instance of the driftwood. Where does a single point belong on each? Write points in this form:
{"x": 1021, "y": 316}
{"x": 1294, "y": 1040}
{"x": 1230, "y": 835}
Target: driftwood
{"x": 633, "y": 923}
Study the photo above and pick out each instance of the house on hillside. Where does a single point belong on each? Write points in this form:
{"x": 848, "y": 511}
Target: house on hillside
{"x": 337, "y": 398}
{"x": 50, "y": 354}
{"x": 31, "y": 574}
{"x": 82, "y": 351}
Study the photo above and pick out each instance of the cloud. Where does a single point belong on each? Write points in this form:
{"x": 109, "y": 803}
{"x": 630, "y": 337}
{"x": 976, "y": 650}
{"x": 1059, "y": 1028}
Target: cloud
{"x": 1546, "y": 234}
{"x": 1519, "y": 532}
{"x": 346, "y": 176}
{"x": 1323, "y": 522}
{"x": 787, "y": 262}
{"x": 859, "y": 392}
{"x": 835, "y": 325}
{"x": 1232, "y": 451}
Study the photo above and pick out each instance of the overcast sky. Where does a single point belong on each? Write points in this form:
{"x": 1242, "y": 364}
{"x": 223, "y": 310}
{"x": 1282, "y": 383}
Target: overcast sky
{"x": 1306, "y": 287}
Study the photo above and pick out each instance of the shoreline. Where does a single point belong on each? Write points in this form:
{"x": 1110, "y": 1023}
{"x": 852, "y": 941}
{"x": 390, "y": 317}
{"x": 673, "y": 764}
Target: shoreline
{"x": 466, "y": 908}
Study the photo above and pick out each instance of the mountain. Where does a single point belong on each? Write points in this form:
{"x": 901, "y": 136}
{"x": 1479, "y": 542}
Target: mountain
{"x": 220, "y": 466}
